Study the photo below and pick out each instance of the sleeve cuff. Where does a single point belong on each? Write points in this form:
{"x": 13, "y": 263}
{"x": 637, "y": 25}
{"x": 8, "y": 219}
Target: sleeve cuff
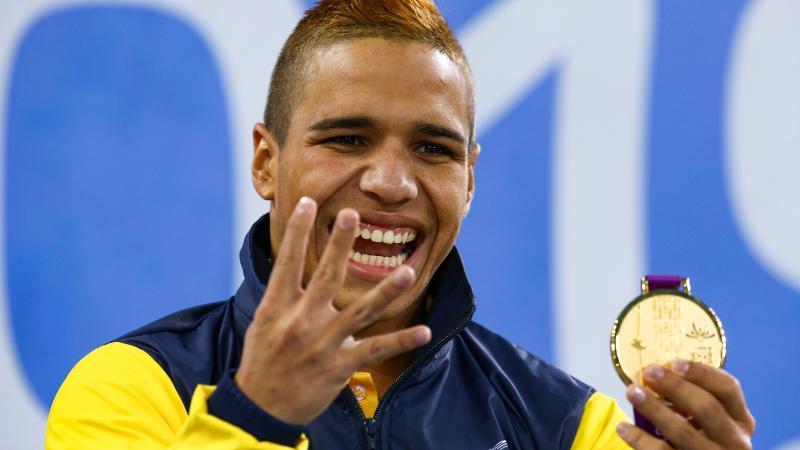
{"x": 230, "y": 404}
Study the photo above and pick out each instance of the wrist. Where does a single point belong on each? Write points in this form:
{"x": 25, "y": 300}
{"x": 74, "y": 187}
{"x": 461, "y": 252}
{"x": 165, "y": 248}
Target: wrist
{"x": 231, "y": 404}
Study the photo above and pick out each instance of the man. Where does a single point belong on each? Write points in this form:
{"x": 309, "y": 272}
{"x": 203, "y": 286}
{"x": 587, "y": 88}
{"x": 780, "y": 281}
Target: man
{"x": 353, "y": 326}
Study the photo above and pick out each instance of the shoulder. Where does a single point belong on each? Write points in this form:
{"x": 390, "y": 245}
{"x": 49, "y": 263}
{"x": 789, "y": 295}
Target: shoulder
{"x": 193, "y": 346}
{"x": 523, "y": 368}
{"x": 116, "y": 382}
{"x": 552, "y": 401}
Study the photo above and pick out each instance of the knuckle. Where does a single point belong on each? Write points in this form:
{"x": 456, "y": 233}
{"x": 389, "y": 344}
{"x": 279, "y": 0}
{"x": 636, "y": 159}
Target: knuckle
{"x": 296, "y": 330}
{"x": 635, "y": 437}
{"x": 750, "y": 423}
{"x": 317, "y": 357}
{"x": 638, "y": 438}
{"x": 285, "y": 260}
{"x": 684, "y": 434}
{"x": 377, "y": 349}
{"x": 361, "y": 312}
{"x": 341, "y": 367}
{"x": 745, "y": 443}
{"x": 709, "y": 408}
{"x": 327, "y": 275}
{"x": 733, "y": 388}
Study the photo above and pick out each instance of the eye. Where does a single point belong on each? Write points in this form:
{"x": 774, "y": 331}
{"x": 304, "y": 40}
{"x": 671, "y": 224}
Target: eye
{"x": 346, "y": 141}
{"x": 431, "y": 149}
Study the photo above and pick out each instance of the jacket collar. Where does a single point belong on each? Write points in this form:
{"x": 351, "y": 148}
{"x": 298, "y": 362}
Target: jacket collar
{"x": 453, "y": 301}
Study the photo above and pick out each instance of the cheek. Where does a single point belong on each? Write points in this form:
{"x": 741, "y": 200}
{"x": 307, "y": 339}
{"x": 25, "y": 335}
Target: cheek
{"x": 449, "y": 201}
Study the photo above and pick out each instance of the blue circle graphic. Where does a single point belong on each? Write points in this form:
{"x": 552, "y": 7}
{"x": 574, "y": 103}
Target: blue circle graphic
{"x": 118, "y": 182}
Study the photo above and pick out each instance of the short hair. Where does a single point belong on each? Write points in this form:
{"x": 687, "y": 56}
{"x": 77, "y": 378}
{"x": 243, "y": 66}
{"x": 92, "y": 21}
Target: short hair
{"x": 333, "y": 21}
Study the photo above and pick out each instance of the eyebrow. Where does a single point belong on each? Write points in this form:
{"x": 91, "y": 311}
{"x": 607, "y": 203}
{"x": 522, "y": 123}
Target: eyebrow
{"x": 343, "y": 122}
{"x": 432, "y": 130}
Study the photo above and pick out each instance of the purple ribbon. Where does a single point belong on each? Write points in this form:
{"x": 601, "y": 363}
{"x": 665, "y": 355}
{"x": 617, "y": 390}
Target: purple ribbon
{"x": 645, "y": 424}
{"x": 656, "y": 282}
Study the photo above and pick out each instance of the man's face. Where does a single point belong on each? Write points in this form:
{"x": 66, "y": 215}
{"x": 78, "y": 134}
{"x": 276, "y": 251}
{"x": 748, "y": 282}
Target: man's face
{"x": 381, "y": 127}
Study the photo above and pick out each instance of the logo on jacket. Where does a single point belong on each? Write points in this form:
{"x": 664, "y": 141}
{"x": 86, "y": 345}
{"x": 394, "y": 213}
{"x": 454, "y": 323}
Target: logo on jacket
{"x": 500, "y": 445}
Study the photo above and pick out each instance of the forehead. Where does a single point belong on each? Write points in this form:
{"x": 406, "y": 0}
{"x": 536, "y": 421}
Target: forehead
{"x": 386, "y": 79}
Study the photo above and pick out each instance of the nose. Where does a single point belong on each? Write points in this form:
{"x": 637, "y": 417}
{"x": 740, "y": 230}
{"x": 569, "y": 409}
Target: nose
{"x": 389, "y": 177}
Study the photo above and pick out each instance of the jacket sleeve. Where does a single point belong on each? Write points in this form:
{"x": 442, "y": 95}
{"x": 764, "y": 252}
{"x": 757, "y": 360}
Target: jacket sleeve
{"x": 118, "y": 397}
{"x": 597, "y": 429}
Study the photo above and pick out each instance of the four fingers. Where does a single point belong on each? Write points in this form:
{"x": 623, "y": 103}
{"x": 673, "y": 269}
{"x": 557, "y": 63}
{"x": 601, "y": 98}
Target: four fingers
{"x": 673, "y": 426}
{"x": 327, "y": 280}
{"x": 722, "y": 385}
{"x": 695, "y": 401}
{"x": 711, "y": 397}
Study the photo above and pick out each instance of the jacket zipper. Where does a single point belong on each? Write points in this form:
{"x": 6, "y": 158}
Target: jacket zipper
{"x": 371, "y": 425}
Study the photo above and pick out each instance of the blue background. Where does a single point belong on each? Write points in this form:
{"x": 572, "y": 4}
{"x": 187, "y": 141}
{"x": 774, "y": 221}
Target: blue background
{"x": 118, "y": 172}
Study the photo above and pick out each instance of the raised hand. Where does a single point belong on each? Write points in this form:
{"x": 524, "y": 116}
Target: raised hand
{"x": 299, "y": 351}
{"x": 711, "y": 397}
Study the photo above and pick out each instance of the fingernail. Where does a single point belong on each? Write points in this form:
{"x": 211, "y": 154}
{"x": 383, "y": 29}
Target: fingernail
{"x": 636, "y": 394}
{"x": 654, "y": 372}
{"x": 623, "y": 429}
{"x": 422, "y": 335}
{"x": 347, "y": 221}
{"x": 680, "y": 366}
{"x": 304, "y": 205}
{"x": 403, "y": 276}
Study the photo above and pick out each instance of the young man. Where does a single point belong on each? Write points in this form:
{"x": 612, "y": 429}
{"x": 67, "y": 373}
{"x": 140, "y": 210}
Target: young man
{"x": 352, "y": 328}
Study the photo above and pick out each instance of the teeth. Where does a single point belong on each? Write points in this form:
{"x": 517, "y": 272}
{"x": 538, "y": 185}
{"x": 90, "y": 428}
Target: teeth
{"x": 375, "y": 260}
{"x": 387, "y": 237}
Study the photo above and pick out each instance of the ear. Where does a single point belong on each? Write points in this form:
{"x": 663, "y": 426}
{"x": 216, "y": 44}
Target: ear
{"x": 265, "y": 162}
{"x": 473, "y": 158}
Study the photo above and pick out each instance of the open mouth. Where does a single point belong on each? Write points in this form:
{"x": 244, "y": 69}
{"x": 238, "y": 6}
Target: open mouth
{"x": 382, "y": 247}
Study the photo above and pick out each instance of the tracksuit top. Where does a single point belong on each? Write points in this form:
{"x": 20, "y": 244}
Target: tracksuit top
{"x": 170, "y": 384}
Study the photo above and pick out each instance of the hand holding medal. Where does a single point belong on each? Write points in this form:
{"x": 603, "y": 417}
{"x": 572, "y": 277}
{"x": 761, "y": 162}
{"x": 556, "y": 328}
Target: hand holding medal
{"x": 674, "y": 344}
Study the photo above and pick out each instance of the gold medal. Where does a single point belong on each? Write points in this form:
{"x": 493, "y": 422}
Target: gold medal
{"x": 662, "y": 324}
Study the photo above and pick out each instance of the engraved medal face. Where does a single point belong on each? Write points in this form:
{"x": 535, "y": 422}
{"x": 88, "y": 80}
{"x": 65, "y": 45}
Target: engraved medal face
{"x": 660, "y": 326}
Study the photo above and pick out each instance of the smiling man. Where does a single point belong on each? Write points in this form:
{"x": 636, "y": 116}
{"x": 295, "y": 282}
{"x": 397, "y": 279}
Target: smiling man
{"x": 352, "y": 328}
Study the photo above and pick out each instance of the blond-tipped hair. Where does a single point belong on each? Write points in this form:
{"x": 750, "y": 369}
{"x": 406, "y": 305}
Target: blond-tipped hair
{"x": 333, "y": 21}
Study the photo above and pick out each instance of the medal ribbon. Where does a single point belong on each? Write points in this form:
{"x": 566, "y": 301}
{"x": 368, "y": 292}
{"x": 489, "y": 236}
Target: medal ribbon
{"x": 657, "y": 282}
